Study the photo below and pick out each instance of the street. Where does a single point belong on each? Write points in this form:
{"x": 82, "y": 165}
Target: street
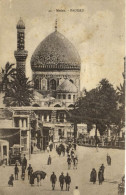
{"x": 88, "y": 158}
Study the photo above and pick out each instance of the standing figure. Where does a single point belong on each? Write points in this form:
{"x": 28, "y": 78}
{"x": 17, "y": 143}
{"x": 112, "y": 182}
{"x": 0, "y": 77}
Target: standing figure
{"x": 108, "y": 160}
{"x": 49, "y": 160}
{"x": 11, "y": 179}
{"x": 102, "y": 168}
{"x": 69, "y": 162}
{"x": 61, "y": 180}
{"x": 100, "y": 176}
{"x": 67, "y": 181}
{"x": 53, "y": 179}
{"x": 30, "y": 170}
{"x": 93, "y": 176}
{"x": 24, "y": 162}
{"x": 76, "y": 191}
{"x": 16, "y": 170}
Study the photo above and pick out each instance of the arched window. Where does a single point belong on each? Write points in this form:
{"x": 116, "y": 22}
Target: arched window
{"x": 53, "y": 84}
{"x": 64, "y": 96}
{"x": 36, "y": 84}
{"x": 69, "y": 96}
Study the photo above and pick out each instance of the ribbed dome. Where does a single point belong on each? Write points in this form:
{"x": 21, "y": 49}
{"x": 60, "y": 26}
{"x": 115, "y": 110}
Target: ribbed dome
{"x": 67, "y": 87}
{"x": 55, "y": 52}
{"x": 20, "y": 24}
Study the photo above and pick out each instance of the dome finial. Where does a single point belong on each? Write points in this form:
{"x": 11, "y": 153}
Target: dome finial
{"x": 56, "y": 25}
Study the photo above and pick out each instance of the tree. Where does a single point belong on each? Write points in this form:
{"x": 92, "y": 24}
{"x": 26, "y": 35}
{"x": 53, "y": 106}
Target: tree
{"x": 120, "y": 121}
{"x": 7, "y": 74}
{"x": 19, "y": 92}
{"x": 97, "y": 107}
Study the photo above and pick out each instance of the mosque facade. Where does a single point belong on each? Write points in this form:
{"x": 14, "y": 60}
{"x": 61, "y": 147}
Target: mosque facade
{"x": 55, "y": 66}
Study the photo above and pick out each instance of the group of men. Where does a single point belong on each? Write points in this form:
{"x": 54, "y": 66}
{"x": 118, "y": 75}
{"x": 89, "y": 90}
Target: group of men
{"x": 62, "y": 179}
{"x": 23, "y": 170}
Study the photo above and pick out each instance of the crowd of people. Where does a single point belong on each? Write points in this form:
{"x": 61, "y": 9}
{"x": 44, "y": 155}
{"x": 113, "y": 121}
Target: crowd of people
{"x": 68, "y": 151}
{"x": 61, "y": 149}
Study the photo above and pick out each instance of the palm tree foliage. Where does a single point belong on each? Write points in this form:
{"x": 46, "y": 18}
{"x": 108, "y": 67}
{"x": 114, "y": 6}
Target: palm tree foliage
{"x": 20, "y": 93}
{"x": 7, "y": 75}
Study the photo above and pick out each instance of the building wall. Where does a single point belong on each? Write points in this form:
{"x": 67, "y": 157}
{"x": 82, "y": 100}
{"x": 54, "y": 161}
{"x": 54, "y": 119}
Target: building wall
{"x": 47, "y": 77}
{"x": 11, "y": 135}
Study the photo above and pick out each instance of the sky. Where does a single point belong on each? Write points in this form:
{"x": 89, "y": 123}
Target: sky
{"x": 97, "y": 33}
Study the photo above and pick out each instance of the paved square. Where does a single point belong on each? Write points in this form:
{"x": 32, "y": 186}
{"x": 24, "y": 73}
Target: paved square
{"x": 88, "y": 158}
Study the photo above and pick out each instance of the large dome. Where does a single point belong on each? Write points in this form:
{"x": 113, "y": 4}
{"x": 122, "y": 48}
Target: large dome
{"x": 57, "y": 53}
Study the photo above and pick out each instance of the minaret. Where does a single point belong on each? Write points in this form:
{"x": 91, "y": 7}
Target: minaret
{"x": 21, "y": 54}
{"x": 56, "y": 25}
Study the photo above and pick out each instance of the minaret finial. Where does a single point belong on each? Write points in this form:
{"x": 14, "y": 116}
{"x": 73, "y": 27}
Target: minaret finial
{"x": 56, "y": 25}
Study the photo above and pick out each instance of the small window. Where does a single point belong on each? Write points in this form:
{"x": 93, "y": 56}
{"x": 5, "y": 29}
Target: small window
{"x": 64, "y": 96}
{"x": 45, "y": 117}
{"x": 16, "y": 120}
{"x": 59, "y": 132}
{"x": 69, "y": 96}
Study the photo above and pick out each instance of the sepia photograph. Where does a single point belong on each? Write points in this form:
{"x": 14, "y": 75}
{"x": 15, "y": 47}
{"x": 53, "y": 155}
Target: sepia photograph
{"x": 62, "y": 97}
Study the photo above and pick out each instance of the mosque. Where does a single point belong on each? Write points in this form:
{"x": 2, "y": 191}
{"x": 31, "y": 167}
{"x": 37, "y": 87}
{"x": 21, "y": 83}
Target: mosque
{"x": 55, "y": 66}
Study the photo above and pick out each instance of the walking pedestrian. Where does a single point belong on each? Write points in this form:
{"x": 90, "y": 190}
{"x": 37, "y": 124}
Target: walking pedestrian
{"x": 53, "y": 179}
{"x": 61, "y": 180}
{"x": 93, "y": 176}
{"x": 76, "y": 191}
{"x": 16, "y": 170}
{"x": 49, "y": 160}
{"x": 11, "y": 179}
{"x": 30, "y": 170}
{"x": 69, "y": 162}
{"x": 67, "y": 181}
